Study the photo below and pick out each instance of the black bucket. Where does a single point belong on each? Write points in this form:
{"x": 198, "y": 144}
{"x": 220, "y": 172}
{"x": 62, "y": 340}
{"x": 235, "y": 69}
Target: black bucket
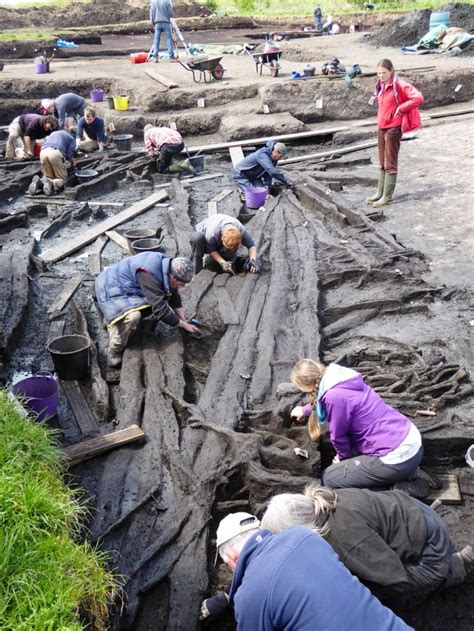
{"x": 124, "y": 142}
{"x": 110, "y": 102}
{"x": 197, "y": 162}
{"x": 138, "y": 233}
{"x": 146, "y": 245}
{"x": 71, "y": 356}
{"x": 86, "y": 175}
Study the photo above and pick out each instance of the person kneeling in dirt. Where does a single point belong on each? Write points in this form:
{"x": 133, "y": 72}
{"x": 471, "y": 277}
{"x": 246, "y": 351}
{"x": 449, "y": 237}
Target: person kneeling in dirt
{"x": 259, "y": 168}
{"x": 57, "y": 148}
{"x": 69, "y": 105}
{"x": 90, "y": 134}
{"x": 220, "y": 236}
{"x": 166, "y": 143}
{"x": 294, "y": 580}
{"x": 27, "y": 129}
{"x": 128, "y": 290}
{"x": 397, "y": 546}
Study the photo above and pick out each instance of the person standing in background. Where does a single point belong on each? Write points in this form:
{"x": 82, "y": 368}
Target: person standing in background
{"x": 161, "y": 12}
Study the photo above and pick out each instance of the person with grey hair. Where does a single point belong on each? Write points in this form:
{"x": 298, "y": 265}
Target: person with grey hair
{"x": 288, "y": 581}
{"x": 397, "y": 546}
{"x": 259, "y": 168}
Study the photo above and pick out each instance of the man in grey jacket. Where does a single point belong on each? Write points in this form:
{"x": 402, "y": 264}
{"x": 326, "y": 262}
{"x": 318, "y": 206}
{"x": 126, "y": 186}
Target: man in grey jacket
{"x": 161, "y": 12}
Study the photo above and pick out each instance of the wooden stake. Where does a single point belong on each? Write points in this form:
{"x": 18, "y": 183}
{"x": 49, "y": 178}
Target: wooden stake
{"x": 94, "y": 256}
{"x": 95, "y": 446}
{"x": 56, "y": 254}
{"x": 118, "y": 239}
{"x": 236, "y": 155}
{"x": 212, "y": 207}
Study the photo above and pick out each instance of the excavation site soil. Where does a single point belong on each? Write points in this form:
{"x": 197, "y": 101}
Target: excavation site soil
{"x": 387, "y": 292}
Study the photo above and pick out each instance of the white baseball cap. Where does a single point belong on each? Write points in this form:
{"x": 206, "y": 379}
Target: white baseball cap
{"x": 235, "y": 524}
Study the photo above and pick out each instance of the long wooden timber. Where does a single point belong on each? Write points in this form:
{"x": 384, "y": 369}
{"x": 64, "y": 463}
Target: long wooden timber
{"x": 56, "y": 254}
{"x": 263, "y": 140}
{"x": 96, "y": 446}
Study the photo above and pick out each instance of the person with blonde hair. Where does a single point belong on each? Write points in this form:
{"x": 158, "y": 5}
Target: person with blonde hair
{"x": 220, "y": 237}
{"x": 398, "y": 547}
{"x": 376, "y": 446}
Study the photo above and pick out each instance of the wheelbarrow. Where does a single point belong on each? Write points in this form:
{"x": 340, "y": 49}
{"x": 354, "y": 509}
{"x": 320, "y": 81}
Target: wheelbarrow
{"x": 204, "y": 68}
{"x": 269, "y": 60}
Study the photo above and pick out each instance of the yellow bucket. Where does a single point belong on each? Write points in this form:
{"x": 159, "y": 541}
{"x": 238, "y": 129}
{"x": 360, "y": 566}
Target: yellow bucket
{"x": 121, "y": 103}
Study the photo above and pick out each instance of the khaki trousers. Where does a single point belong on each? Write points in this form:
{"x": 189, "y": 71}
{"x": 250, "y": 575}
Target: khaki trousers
{"x": 15, "y": 133}
{"x": 120, "y": 332}
{"x": 53, "y": 165}
{"x": 87, "y": 144}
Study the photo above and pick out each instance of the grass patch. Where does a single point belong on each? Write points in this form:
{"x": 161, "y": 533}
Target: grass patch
{"x": 41, "y": 3}
{"x": 47, "y": 572}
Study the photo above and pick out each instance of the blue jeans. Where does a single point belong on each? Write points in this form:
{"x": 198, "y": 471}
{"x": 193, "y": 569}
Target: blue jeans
{"x": 243, "y": 182}
{"x": 162, "y": 27}
{"x": 368, "y": 472}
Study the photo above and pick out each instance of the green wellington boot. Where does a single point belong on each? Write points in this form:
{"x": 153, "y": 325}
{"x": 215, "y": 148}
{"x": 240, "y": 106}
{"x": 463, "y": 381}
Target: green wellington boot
{"x": 388, "y": 188}
{"x": 379, "y": 193}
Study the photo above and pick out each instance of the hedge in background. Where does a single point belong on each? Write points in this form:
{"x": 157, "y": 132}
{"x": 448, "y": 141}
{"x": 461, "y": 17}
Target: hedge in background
{"x": 47, "y": 573}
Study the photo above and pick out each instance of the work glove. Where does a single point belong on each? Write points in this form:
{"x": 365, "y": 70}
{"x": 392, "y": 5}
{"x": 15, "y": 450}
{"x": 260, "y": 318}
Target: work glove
{"x": 212, "y": 607}
{"x": 227, "y": 267}
{"x": 252, "y": 266}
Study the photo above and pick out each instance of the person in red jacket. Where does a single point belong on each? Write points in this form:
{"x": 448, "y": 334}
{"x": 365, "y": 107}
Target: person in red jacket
{"x": 398, "y": 103}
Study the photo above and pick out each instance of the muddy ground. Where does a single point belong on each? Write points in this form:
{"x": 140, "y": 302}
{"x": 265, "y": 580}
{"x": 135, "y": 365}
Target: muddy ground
{"x": 389, "y": 297}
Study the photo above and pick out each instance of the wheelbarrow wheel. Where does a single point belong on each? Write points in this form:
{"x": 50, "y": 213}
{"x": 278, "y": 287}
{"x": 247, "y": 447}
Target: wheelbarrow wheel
{"x": 218, "y": 72}
{"x": 274, "y": 68}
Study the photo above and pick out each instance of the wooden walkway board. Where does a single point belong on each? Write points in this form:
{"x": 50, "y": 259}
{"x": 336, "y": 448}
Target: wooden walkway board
{"x": 94, "y": 256}
{"x": 449, "y": 493}
{"x": 212, "y": 207}
{"x": 56, "y": 329}
{"x": 56, "y": 254}
{"x": 95, "y": 446}
{"x": 64, "y": 297}
{"x": 157, "y": 76}
{"x": 118, "y": 239}
{"x": 200, "y": 178}
{"x": 80, "y": 408}
{"x": 236, "y": 155}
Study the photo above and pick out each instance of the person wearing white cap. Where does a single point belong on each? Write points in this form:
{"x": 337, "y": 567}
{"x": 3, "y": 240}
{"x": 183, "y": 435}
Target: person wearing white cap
{"x": 293, "y": 580}
{"x": 259, "y": 168}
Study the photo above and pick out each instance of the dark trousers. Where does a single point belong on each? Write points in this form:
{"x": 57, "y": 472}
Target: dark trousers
{"x": 388, "y": 143}
{"x": 166, "y": 155}
{"x": 198, "y": 248}
{"x": 368, "y": 472}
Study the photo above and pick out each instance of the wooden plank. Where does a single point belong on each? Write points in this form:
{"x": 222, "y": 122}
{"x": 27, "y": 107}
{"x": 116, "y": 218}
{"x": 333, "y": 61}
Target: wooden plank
{"x": 57, "y": 199}
{"x": 236, "y": 155}
{"x": 96, "y": 446}
{"x": 212, "y": 207}
{"x": 325, "y": 154}
{"x": 118, "y": 239}
{"x": 56, "y": 329}
{"x": 94, "y": 256}
{"x": 105, "y": 204}
{"x": 200, "y": 178}
{"x": 80, "y": 407}
{"x": 56, "y": 254}
{"x": 157, "y": 76}
{"x": 449, "y": 493}
{"x": 64, "y": 297}
{"x": 263, "y": 140}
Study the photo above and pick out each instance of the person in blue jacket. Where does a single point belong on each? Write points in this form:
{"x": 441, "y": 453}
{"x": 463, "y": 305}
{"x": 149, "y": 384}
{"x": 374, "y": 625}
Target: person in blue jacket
{"x": 138, "y": 284}
{"x": 260, "y": 167}
{"x": 294, "y": 581}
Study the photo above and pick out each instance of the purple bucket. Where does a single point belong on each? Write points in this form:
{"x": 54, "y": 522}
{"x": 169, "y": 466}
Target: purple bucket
{"x": 41, "y": 68}
{"x": 255, "y": 197}
{"x": 97, "y": 96}
{"x": 40, "y": 394}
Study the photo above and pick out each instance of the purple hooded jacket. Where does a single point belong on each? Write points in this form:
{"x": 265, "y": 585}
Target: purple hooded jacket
{"x": 360, "y": 422}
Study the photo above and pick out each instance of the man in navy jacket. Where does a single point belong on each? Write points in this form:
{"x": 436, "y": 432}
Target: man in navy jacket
{"x": 294, "y": 580}
{"x": 260, "y": 167}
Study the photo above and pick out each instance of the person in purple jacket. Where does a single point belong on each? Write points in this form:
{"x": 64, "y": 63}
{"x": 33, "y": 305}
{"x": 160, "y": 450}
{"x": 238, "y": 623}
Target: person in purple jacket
{"x": 376, "y": 446}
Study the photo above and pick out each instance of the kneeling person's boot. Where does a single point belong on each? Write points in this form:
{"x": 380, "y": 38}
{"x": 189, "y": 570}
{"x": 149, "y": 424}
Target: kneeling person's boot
{"x": 114, "y": 358}
{"x": 379, "y": 193}
{"x": 36, "y": 185}
{"x": 388, "y": 189}
{"x": 48, "y": 188}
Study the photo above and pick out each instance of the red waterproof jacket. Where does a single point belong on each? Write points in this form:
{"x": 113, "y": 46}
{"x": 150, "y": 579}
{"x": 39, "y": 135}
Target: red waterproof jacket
{"x": 398, "y": 94}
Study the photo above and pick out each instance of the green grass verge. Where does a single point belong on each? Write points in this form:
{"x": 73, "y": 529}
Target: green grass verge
{"x": 47, "y": 572}
{"x": 48, "y": 3}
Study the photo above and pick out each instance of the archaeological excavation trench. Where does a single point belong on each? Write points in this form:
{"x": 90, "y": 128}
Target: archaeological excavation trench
{"x": 335, "y": 284}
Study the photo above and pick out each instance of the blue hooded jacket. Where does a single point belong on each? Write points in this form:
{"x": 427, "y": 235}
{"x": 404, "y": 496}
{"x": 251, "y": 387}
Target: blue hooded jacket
{"x": 295, "y": 581}
{"x": 117, "y": 289}
{"x": 257, "y": 164}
